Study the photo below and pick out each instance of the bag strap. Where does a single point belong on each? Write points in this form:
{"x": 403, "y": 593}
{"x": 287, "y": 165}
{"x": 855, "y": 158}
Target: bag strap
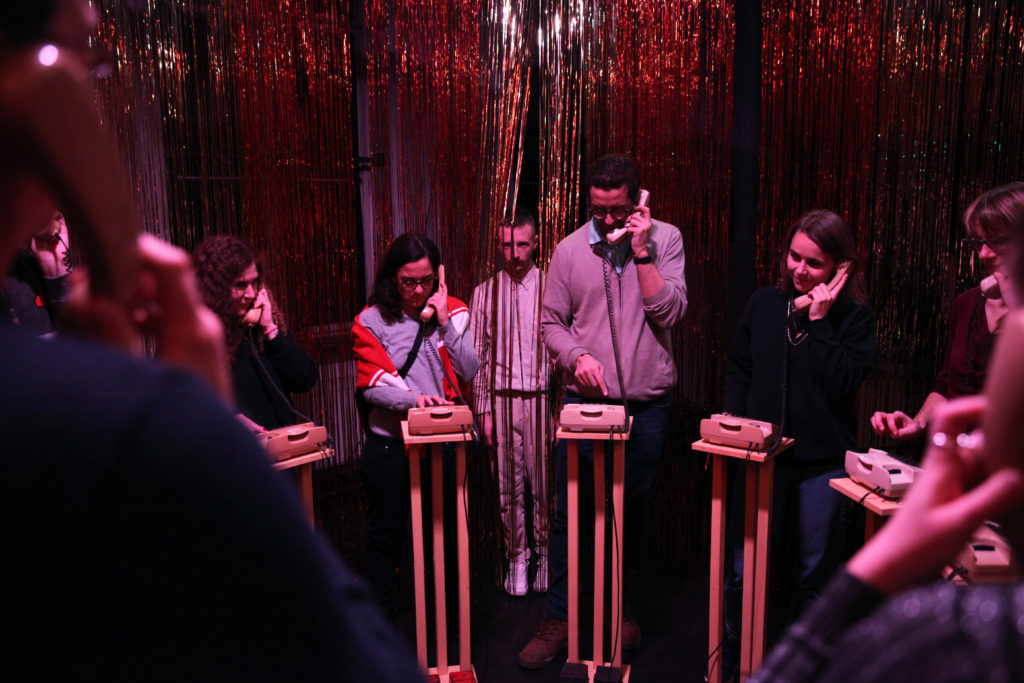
{"x": 412, "y": 352}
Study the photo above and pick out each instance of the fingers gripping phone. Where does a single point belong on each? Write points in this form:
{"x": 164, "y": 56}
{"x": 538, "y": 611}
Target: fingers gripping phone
{"x": 428, "y": 311}
{"x": 49, "y": 127}
{"x": 616, "y": 236}
{"x": 803, "y": 302}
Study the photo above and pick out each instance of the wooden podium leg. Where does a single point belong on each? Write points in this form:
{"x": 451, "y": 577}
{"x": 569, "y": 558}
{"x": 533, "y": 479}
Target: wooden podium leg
{"x": 305, "y": 475}
{"x": 716, "y": 637}
{"x": 599, "y": 523}
{"x": 618, "y": 502}
{"x": 572, "y": 501}
{"x": 440, "y": 613}
{"x": 749, "y": 566}
{"x": 461, "y": 502}
{"x": 419, "y": 566}
{"x": 765, "y": 475}
{"x": 872, "y": 522}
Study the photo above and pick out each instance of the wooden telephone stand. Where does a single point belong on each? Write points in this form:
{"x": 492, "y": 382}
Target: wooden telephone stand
{"x": 429, "y": 445}
{"x": 574, "y": 664}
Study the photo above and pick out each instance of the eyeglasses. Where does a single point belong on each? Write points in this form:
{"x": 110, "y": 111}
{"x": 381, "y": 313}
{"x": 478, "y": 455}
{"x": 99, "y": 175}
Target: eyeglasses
{"x": 977, "y": 243}
{"x": 618, "y": 213}
{"x": 409, "y": 284}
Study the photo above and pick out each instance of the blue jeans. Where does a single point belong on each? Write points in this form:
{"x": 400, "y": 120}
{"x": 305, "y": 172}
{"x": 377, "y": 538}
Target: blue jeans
{"x": 818, "y": 509}
{"x": 643, "y": 452}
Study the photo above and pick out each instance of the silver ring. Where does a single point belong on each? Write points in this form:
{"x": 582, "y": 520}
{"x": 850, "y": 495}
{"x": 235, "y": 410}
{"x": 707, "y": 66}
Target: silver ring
{"x": 944, "y": 441}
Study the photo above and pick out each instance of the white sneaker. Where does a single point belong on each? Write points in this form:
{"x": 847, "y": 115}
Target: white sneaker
{"x": 540, "y": 579}
{"x": 516, "y": 582}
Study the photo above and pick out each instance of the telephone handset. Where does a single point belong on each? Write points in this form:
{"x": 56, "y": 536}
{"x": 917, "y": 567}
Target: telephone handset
{"x": 738, "y": 432}
{"x": 990, "y": 288}
{"x": 803, "y": 302}
{"x": 440, "y": 420}
{"x": 252, "y": 316}
{"x": 49, "y": 126}
{"x": 988, "y": 558}
{"x": 428, "y": 311}
{"x": 617, "y": 235}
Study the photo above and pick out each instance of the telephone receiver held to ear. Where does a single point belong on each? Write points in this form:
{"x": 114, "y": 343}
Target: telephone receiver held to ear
{"x": 803, "y": 302}
{"x": 990, "y": 288}
{"x": 252, "y": 316}
{"x": 49, "y": 127}
{"x": 617, "y": 235}
{"x": 428, "y": 311}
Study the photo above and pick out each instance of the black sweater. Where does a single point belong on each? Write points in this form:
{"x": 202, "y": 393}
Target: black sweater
{"x": 262, "y": 380}
{"x": 824, "y": 370}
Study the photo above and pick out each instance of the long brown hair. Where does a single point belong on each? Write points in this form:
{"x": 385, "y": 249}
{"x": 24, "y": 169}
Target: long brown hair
{"x": 219, "y": 261}
{"x": 833, "y": 237}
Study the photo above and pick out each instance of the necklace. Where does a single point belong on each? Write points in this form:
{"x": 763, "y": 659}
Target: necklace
{"x": 795, "y": 335}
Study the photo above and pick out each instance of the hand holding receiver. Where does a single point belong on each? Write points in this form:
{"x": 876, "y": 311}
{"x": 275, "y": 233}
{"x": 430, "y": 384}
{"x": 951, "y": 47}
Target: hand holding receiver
{"x": 897, "y": 424}
{"x": 428, "y": 310}
{"x": 590, "y": 374}
{"x": 49, "y": 128}
{"x": 950, "y": 498}
{"x": 438, "y": 301}
{"x": 824, "y": 294}
{"x": 253, "y": 316}
{"x": 616, "y": 236}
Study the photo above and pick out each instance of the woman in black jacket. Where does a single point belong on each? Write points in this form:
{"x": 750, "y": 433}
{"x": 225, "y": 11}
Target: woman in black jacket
{"x": 799, "y": 367}
{"x": 266, "y": 363}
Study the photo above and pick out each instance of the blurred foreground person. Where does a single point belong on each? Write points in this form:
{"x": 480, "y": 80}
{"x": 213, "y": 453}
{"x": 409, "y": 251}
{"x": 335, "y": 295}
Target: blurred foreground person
{"x": 146, "y": 536}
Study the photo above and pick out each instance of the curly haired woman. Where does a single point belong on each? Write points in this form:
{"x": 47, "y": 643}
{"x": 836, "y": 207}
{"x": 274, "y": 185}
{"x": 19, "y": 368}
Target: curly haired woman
{"x": 266, "y": 362}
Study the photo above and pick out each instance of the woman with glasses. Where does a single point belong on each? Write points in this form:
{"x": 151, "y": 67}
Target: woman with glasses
{"x": 267, "y": 365}
{"x": 975, "y": 315}
{"x": 411, "y": 351}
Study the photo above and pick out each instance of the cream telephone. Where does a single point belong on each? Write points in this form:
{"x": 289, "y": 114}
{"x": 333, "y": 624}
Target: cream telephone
{"x": 440, "y": 420}
{"x": 428, "y": 311}
{"x": 990, "y": 288}
{"x": 617, "y": 235}
{"x": 803, "y": 302}
{"x": 288, "y": 442}
{"x": 49, "y": 126}
{"x": 988, "y": 558}
{"x": 592, "y": 417}
{"x": 738, "y": 432}
{"x": 879, "y": 471}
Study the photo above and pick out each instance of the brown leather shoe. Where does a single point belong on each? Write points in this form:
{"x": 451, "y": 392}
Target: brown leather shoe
{"x": 552, "y": 638}
{"x": 632, "y": 636}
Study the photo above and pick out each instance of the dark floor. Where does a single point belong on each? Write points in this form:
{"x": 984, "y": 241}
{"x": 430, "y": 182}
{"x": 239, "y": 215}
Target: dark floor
{"x": 672, "y": 613}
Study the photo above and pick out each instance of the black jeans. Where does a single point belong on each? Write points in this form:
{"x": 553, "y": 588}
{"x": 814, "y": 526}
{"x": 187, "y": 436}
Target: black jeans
{"x": 385, "y": 468}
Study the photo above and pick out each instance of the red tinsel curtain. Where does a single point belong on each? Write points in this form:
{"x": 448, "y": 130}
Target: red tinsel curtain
{"x": 894, "y": 115}
{"x": 236, "y": 118}
{"x": 658, "y": 81}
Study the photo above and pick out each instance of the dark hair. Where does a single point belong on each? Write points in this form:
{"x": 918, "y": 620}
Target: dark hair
{"x": 521, "y": 218}
{"x": 407, "y": 248}
{"x": 612, "y": 171}
{"x": 833, "y": 237}
{"x": 998, "y": 213}
{"x": 219, "y": 261}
